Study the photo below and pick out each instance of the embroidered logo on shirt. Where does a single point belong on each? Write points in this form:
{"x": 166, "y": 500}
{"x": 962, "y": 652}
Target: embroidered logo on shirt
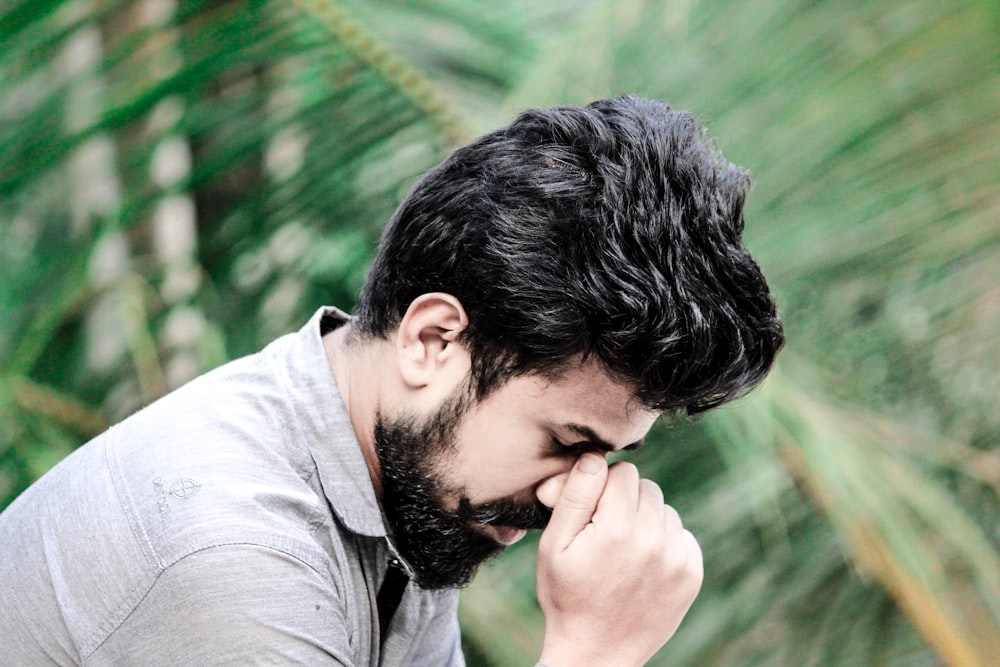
{"x": 184, "y": 488}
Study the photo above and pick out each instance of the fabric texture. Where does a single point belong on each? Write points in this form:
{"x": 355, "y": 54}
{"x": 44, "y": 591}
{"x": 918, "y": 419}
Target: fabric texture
{"x": 232, "y": 522}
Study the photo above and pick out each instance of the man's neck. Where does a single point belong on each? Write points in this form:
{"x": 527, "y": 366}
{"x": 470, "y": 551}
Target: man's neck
{"x": 357, "y": 368}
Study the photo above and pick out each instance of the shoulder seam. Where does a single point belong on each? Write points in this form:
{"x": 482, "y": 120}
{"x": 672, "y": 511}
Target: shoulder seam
{"x": 127, "y": 503}
{"x": 104, "y": 635}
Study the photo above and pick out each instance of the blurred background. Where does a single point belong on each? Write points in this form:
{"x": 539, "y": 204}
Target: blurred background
{"x": 181, "y": 181}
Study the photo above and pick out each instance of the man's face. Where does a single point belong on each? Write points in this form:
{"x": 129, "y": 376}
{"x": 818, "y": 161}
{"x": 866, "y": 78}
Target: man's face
{"x": 469, "y": 479}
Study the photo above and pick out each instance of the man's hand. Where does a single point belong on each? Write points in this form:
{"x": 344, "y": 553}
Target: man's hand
{"x": 617, "y": 571}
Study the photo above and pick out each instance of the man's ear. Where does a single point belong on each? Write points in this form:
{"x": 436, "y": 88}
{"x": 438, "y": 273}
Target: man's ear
{"x": 427, "y": 347}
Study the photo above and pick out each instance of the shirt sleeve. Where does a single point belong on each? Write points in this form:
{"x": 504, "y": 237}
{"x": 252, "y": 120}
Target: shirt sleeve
{"x": 233, "y": 605}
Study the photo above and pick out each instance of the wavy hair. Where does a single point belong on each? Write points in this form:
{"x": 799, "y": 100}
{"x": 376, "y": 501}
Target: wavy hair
{"x": 611, "y": 231}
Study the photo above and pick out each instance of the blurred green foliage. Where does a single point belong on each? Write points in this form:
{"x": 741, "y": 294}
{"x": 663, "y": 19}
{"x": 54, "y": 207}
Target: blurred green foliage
{"x": 183, "y": 180}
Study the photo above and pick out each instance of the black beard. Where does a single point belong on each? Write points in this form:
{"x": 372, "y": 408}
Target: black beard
{"x": 442, "y": 546}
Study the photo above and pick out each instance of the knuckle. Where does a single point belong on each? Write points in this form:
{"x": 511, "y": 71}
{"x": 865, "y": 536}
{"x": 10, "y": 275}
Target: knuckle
{"x": 624, "y": 469}
{"x": 694, "y": 548}
{"x": 574, "y": 498}
{"x": 695, "y": 562}
{"x": 672, "y": 519}
{"x": 651, "y": 489}
{"x": 579, "y": 496}
{"x": 649, "y": 549}
{"x": 618, "y": 534}
{"x": 682, "y": 557}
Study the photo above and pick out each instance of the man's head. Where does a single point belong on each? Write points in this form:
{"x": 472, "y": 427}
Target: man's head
{"x": 610, "y": 231}
{"x": 589, "y": 263}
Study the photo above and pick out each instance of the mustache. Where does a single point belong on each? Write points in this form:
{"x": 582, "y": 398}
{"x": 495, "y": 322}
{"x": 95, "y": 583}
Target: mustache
{"x": 506, "y": 512}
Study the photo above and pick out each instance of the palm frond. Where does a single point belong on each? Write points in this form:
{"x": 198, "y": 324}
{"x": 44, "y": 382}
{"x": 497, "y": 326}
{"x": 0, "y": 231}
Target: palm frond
{"x": 181, "y": 182}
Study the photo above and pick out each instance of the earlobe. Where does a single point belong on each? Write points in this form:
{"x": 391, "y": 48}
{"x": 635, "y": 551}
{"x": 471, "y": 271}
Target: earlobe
{"x": 427, "y": 342}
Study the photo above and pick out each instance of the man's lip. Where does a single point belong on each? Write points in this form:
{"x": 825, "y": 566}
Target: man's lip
{"x": 506, "y": 535}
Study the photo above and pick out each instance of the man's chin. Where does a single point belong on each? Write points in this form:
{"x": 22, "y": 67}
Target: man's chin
{"x": 450, "y": 571}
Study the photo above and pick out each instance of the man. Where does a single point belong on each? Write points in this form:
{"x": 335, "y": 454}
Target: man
{"x": 538, "y": 300}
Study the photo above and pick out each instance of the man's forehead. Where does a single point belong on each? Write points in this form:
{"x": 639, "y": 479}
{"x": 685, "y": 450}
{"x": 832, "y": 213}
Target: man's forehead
{"x": 589, "y": 375}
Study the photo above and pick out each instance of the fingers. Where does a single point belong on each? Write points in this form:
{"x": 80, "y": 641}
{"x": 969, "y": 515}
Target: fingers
{"x": 683, "y": 554}
{"x": 621, "y": 496}
{"x": 633, "y": 510}
{"x": 627, "y": 529}
{"x": 695, "y": 558}
{"x": 617, "y": 511}
{"x": 578, "y": 501}
{"x": 651, "y": 509}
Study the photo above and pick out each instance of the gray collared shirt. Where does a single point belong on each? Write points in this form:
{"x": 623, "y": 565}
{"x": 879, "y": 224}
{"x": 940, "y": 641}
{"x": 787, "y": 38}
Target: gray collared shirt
{"x": 232, "y": 522}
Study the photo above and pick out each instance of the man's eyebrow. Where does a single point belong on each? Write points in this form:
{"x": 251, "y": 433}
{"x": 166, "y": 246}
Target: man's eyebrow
{"x": 599, "y": 442}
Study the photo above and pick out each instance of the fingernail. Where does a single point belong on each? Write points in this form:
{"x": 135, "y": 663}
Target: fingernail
{"x": 590, "y": 464}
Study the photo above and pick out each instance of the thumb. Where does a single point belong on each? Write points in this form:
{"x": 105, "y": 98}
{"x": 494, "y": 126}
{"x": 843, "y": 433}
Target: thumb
{"x": 576, "y": 505}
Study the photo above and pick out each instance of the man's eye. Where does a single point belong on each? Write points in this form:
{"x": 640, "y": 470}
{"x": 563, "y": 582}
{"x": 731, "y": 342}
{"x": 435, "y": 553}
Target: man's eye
{"x": 560, "y": 448}
{"x": 557, "y": 446}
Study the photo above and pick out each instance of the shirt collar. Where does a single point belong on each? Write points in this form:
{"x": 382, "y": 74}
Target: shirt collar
{"x": 323, "y": 421}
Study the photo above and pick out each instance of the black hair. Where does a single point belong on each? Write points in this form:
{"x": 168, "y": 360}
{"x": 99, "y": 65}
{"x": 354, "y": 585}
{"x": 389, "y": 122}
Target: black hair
{"x": 611, "y": 231}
